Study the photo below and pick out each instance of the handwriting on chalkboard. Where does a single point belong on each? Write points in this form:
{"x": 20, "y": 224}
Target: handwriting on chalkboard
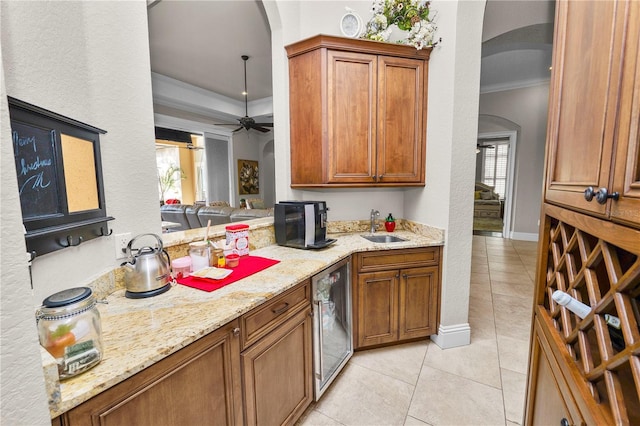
{"x": 34, "y": 152}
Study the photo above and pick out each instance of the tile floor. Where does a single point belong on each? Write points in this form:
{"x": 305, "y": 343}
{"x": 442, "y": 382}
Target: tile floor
{"x": 420, "y": 384}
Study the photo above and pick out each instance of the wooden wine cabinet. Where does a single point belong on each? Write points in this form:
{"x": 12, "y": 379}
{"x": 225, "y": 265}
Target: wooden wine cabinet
{"x": 598, "y": 263}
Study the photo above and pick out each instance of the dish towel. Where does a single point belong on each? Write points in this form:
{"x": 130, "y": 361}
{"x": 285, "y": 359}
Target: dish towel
{"x": 248, "y": 265}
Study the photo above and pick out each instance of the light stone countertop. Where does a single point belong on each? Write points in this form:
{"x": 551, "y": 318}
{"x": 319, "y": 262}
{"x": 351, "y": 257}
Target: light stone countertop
{"x": 140, "y": 332}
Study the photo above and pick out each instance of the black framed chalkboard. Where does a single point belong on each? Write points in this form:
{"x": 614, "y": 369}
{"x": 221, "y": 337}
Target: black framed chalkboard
{"x": 35, "y": 156}
{"x": 59, "y": 173}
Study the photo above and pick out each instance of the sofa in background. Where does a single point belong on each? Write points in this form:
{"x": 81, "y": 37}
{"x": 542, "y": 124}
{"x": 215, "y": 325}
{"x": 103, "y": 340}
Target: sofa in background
{"x": 197, "y": 216}
{"x": 486, "y": 202}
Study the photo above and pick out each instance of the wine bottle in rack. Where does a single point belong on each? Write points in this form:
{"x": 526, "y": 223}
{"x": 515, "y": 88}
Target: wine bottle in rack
{"x": 575, "y": 306}
{"x": 582, "y": 310}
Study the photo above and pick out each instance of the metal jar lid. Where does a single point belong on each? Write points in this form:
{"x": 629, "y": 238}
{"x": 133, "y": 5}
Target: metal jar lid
{"x": 67, "y": 303}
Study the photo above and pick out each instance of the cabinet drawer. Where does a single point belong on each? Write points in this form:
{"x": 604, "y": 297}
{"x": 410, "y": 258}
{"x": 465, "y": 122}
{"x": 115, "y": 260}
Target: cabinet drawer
{"x": 397, "y": 259}
{"x": 262, "y": 320}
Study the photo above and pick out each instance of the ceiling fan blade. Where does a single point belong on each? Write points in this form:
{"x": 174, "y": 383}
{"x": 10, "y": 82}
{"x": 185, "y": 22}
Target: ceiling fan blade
{"x": 239, "y": 128}
{"x": 264, "y": 124}
{"x": 260, "y": 129}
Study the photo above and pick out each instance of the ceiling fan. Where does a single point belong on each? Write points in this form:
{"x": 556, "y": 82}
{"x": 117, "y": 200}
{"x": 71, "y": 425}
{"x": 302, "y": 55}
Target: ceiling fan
{"x": 247, "y": 122}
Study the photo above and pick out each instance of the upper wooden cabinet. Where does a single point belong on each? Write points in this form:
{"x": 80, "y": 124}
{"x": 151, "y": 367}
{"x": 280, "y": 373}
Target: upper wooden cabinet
{"x": 358, "y": 113}
{"x": 594, "y": 109}
{"x": 626, "y": 176}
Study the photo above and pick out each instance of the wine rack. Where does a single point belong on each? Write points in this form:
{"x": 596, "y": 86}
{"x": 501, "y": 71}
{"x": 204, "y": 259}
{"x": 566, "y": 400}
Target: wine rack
{"x": 583, "y": 260}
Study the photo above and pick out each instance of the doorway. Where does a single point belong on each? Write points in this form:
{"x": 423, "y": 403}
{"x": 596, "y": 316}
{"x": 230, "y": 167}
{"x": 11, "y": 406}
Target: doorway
{"x": 493, "y": 197}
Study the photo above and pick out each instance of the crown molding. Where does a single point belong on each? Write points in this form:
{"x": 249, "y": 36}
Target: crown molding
{"x": 177, "y": 94}
{"x": 512, "y": 85}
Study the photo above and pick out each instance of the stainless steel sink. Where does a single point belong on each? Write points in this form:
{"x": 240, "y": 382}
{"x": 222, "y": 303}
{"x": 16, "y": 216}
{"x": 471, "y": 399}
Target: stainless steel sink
{"x": 382, "y": 238}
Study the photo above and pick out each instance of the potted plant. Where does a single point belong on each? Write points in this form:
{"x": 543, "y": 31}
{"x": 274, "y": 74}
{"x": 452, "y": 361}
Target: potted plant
{"x": 167, "y": 180}
{"x": 390, "y": 223}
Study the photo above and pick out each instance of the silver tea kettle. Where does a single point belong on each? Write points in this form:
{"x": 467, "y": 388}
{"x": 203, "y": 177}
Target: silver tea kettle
{"x": 147, "y": 272}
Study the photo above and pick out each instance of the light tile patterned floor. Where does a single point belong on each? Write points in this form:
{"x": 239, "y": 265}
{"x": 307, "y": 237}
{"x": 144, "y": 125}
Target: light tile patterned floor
{"x": 420, "y": 384}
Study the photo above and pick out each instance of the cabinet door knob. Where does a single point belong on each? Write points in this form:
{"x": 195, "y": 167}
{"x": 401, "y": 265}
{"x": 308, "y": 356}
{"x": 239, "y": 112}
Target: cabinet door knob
{"x": 379, "y": 177}
{"x": 589, "y": 193}
{"x": 603, "y": 195}
{"x": 564, "y": 422}
{"x": 236, "y": 331}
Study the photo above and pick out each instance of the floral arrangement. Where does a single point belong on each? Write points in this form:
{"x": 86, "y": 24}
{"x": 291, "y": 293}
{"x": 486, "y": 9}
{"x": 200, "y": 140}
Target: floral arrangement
{"x": 408, "y": 15}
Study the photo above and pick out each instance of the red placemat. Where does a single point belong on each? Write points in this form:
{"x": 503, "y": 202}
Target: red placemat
{"x": 248, "y": 265}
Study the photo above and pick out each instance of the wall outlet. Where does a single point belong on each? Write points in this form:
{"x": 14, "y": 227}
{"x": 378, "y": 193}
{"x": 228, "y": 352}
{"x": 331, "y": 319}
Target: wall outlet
{"x": 121, "y": 241}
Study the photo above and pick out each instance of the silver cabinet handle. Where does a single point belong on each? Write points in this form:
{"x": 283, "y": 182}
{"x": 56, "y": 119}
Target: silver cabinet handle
{"x": 601, "y": 195}
{"x": 320, "y": 331}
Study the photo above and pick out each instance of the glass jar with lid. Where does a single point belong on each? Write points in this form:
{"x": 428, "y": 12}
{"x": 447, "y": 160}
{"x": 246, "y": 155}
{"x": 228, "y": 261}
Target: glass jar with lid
{"x": 200, "y": 254}
{"x": 69, "y": 329}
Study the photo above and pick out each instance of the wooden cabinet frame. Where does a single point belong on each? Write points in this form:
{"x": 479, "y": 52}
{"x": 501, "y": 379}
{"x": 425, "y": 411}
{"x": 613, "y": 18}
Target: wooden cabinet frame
{"x": 167, "y": 392}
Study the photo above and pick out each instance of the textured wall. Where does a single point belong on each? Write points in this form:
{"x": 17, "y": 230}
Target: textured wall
{"x": 21, "y": 372}
{"x": 89, "y": 61}
{"x": 83, "y": 66}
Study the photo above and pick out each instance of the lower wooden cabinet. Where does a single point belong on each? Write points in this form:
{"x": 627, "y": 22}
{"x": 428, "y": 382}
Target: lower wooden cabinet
{"x": 277, "y": 373}
{"x": 197, "y": 385}
{"x": 547, "y": 405}
{"x": 396, "y": 295}
{"x": 202, "y": 384}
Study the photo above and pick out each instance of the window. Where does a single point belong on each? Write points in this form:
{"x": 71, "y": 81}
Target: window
{"x": 494, "y": 165}
{"x": 181, "y": 164}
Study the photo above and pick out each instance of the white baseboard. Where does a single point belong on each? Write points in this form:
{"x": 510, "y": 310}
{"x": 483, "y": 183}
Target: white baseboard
{"x": 524, "y": 236}
{"x": 451, "y": 336}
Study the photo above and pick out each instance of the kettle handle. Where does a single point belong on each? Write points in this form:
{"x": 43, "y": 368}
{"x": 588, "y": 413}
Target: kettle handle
{"x": 158, "y": 240}
{"x": 168, "y": 259}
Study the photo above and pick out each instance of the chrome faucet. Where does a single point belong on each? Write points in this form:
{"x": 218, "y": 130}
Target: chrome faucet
{"x": 374, "y": 216}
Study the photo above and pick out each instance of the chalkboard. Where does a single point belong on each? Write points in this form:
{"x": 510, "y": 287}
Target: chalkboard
{"x": 59, "y": 175}
{"x": 35, "y": 156}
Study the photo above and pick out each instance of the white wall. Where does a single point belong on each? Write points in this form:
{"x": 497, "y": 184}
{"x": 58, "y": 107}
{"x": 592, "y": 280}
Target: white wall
{"x": 20, "y": 365}
{"x": 88, "y": 61}
{"x": 505, "y": 15}
{"x": 526, "y": 108}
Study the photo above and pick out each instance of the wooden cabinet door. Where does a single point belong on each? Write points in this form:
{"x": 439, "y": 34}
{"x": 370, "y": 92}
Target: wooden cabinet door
{"x": 545, "y": 403}
{"x": 278, "y": 373}
{"x": 197, "y": 385}
{"x": 583, "y": 100}
{"x": 377, "y": 308}
{"x": 351, "y": 117}
{"x": 418, "y": 302}
{"x": 401, "y": 120}
{"x": 627, "y": 169}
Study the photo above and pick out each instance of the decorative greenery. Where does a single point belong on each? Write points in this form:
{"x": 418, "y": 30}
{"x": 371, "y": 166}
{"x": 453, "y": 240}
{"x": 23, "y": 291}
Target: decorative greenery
{"x": 167, "y": 180}
{"x": 413, "y": 16}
